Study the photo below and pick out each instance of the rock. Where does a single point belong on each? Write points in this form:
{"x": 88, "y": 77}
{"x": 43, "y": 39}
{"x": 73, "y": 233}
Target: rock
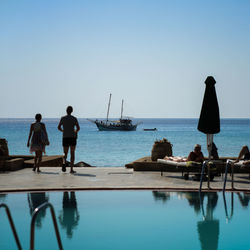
{"x": 82, "y": 164}
{"x": 161, "y": 149}
{"x": 4, "y": 150}
{"x": 14, "y": 164}
{"x": 48, "y": 161}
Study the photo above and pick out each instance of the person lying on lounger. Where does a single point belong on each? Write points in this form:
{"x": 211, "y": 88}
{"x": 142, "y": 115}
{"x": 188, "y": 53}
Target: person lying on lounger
{"x": 196, "y": 155}
{"x": 244, "y": 156}
{"x": 175, "y": 158}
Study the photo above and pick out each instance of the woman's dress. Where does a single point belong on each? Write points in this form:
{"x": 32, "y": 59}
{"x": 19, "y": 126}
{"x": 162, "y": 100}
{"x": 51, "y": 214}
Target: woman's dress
{"x": 36, "y": 140}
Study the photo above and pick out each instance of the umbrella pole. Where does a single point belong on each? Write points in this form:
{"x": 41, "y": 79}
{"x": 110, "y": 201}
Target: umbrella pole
{"x": 210, "y": 138}
{"x": 209, "y": 148}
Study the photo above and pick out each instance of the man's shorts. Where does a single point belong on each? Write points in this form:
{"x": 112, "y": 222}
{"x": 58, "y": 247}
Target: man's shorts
{"x": 71, "y": 141}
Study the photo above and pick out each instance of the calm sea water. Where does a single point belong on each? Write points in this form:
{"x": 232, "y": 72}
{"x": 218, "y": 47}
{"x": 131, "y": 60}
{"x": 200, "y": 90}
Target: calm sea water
{"x": 130, "y": 220}
{"x": 102, "y": 148}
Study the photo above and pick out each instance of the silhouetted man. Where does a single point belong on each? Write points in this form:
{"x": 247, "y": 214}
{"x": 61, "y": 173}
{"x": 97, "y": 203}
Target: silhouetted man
{"x": 70, "y": 127}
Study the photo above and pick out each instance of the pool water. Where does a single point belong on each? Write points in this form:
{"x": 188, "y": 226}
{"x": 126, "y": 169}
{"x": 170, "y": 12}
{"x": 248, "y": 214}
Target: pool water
{"x": 130, "y": 220}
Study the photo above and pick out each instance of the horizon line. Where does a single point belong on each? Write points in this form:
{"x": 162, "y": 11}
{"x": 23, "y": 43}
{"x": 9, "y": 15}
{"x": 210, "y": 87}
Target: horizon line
{"x": 103, "y": 118}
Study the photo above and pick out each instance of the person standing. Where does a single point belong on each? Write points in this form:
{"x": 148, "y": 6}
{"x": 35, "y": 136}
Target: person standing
{"x": 38, "y": 141}
{"x": 69, "y": 126}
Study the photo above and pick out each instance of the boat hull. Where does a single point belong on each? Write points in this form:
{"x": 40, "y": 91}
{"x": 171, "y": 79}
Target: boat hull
{"x": 119, "y": 127}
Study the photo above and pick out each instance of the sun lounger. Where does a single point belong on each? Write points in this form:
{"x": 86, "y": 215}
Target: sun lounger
{"x": 239, "y": 167}
{"x": 236, "y": 167}
{"x": 181, "y": 166}
{"x": 216, "y": 167}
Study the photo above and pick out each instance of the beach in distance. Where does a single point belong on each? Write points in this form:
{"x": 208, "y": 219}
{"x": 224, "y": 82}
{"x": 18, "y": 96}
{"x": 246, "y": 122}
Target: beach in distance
{"x": 117, "y": 148}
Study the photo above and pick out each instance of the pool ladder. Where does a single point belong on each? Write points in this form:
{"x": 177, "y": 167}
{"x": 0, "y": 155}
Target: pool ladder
{"x": 204, "y": 165}
{"x": 32, "y": 226}
{"x": 229, "y": 163}
{"x": 11, "y": 225}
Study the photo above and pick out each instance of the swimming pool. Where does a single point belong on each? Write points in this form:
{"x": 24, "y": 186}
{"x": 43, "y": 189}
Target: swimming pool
{"x": 130, "y": 220}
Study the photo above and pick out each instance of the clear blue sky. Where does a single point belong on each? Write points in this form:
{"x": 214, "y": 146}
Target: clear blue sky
{"x": 153, "y": 54}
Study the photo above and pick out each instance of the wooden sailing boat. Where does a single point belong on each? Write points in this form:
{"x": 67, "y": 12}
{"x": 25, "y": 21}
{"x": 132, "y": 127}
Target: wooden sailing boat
{"x": 123, "y": 124}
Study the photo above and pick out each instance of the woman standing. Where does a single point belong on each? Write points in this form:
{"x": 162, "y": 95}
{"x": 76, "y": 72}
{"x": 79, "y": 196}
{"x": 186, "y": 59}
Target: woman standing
{"x": 38, "y": 141}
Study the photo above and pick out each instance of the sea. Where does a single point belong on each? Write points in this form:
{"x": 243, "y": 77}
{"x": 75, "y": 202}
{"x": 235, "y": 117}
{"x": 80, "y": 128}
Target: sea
{"x": 117, "y": 148}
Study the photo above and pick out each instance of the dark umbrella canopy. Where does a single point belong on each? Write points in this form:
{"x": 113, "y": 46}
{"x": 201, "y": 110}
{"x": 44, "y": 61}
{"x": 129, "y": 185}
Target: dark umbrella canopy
{"x": 209, "y": 122}
{"x": 209, "y": 234}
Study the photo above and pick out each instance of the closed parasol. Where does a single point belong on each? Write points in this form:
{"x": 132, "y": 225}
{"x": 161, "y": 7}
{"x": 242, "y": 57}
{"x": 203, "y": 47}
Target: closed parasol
{"x": 209, "y": 122}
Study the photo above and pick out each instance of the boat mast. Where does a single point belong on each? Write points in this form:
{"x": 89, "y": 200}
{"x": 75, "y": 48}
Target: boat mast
{"x": 122, "y": 109}
{"x": 108, "y": 108}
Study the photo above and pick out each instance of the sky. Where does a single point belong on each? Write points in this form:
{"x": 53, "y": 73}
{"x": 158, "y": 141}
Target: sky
{"x": 154, "y": 54}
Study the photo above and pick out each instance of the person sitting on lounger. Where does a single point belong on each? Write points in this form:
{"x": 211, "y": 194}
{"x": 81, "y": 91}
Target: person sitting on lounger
{"x": 214, "y": 152}
{"x": 196, "y": 155}
{"x": 244, "y": 155}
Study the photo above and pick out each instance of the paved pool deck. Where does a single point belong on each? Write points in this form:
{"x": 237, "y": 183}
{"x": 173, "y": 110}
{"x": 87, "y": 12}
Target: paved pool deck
{"x": 108, "y": 178}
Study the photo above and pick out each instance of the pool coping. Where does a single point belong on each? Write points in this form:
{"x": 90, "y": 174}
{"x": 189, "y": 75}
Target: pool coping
{"x": 121, "y": 189}
{"x": 109, "y": 179}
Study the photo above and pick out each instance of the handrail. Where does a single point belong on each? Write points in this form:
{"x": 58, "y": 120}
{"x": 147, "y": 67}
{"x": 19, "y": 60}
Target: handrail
{"x": 202, "y": 173}
{"x": 12, "y": 225}
{"x": 32, "y": 227}
{"x": 226, "y": 171}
